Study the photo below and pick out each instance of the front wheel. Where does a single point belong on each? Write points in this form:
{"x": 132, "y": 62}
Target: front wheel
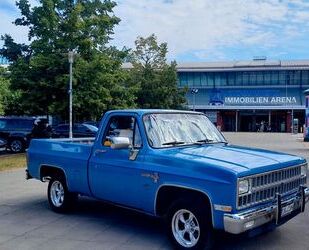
{"x": 59, "y": 198}
{"x": 189, "y": 226}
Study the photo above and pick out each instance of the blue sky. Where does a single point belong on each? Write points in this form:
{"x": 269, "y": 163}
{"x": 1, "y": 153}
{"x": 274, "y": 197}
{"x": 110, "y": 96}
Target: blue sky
{"x": 205, "y": 30}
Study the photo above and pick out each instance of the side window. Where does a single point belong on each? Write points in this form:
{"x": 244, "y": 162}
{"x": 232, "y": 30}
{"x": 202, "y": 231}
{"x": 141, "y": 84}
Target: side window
{"x": 137, "y": 142}
{"x": 122, "y": 126}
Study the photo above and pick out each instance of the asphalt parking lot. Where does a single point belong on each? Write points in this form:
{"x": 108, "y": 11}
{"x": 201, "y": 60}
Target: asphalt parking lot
{"x": 27, "y": 223}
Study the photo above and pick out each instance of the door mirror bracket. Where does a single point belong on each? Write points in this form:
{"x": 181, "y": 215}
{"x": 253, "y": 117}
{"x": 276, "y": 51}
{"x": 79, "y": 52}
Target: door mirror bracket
{"x": 133, "y": 153}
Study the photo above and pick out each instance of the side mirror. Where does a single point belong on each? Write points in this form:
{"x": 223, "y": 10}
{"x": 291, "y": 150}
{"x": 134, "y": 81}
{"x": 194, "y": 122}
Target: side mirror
{"x": 120, "y": 142}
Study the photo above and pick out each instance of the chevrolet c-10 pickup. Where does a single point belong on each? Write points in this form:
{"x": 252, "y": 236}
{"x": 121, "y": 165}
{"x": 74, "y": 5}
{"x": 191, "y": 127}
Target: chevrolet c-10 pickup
{"x": 176, "y": 165}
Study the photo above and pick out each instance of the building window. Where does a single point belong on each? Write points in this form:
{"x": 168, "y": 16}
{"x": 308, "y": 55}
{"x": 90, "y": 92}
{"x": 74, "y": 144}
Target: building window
{"x": 203, "y": 79}
{"x": 238, "y": 79}
{"x": 230, "y": 78}
{"x": 197, "y": 79}
{"x": 190, "y": 79}
{"x": 259, "y": 78}
{"x": 252, "y": 78}
{"x": 267, "y": 78}
{"x": 182, "y": 78}
{"x": 305, "y": 77}
{"x": 296, "y": 77}
{"x": 210, "y": 79}
{"x": 274, "y": 78}
{"x": 246, "y": 78}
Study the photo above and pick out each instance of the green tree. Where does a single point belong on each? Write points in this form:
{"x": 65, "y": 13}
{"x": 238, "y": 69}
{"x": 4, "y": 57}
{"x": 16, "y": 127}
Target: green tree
{"x": 4, "y": 89}
{"x": 156, "y": 78}
{"x": 39, "y": 71}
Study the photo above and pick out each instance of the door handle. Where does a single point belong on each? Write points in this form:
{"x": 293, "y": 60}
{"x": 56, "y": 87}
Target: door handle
{"x": 100, "y": 151}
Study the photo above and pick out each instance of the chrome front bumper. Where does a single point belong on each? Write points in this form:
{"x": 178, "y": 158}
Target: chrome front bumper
{"x": 250, "y": 219}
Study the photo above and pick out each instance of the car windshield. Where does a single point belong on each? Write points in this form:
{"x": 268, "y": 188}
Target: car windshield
{"x": 91, "y": 127}
{"x": 176, "y": 129}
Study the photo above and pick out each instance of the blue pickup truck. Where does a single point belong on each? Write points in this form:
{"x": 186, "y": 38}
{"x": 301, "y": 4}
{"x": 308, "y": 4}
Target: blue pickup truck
{"x": 176, "y": 165}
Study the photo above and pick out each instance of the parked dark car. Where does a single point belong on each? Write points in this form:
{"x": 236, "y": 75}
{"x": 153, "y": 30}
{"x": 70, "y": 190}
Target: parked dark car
{"x": 16, "y": 132}
{"x": 93, "y": 123}
{"x": 2, "y": 143}
{"x": 79, "y": 130}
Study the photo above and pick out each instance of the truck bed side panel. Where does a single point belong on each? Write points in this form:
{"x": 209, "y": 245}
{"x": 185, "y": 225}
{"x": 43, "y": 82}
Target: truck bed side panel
{"x": 71, "y": 157}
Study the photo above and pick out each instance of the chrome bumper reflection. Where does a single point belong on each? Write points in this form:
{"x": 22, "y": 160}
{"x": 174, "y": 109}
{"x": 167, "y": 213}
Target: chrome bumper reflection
{"x": 250, "y": 219}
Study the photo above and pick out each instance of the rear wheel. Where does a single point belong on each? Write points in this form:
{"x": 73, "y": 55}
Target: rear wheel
{"x": 16, "y": 146}
{"x": 59, "y": 198}
{"x": 189, "y": 225}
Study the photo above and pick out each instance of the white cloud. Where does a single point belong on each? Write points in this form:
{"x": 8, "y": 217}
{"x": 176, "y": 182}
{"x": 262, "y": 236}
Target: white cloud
{"x": 8, "y": 14}
{"x": 197, "y": 27}
{"x": 20, "y": 34}
{"x": 207, "y": 24}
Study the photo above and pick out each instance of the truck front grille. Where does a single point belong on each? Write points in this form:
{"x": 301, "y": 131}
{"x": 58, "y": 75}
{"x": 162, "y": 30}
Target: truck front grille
{"x": 264, "y": 187}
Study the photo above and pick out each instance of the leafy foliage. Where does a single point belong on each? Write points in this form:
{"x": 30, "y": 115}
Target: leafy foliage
{"x": 157, "y": 79}
{"x": 40, "y": 71}
{"x": 4, "y": 90}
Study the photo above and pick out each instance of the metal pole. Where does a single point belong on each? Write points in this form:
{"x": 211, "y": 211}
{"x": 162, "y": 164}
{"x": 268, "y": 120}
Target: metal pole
{"x": 292, "y": 125}
{"x": 269, "y": 119}
{"x": 236, "y": 121}
{"x": 71, "y": 94}
{"x": 193, "y": 101}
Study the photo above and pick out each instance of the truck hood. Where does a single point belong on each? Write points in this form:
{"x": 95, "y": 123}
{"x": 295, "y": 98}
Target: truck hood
{"x": 239, "y": 160}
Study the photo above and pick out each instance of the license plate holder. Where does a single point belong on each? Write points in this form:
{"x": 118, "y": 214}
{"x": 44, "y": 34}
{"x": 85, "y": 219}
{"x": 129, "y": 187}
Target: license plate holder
{"x": 285, "y": 210}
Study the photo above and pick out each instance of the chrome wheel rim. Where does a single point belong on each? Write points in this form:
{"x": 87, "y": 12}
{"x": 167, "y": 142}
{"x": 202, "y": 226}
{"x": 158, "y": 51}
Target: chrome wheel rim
{"x": 185, "y": 227}
{"x": 16, "y": 146}
{"x": 57, "y": 193}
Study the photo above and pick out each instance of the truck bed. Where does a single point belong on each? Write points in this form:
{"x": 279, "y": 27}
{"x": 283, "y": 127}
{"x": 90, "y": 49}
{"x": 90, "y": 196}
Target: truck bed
{"x": 70, "y": 155}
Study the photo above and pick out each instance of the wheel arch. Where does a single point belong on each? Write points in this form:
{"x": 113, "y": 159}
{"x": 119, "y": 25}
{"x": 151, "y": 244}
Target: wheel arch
{"x": 163, "y": 198}
{"x": 47, "y": 171}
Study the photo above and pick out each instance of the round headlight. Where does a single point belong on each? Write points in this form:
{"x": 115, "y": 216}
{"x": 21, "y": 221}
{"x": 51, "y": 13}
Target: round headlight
{"x": 243, "y": 186}
{"x": 304, "y": 169}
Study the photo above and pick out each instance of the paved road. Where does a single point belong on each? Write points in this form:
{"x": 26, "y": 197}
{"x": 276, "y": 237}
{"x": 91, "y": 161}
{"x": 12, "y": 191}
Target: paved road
{"x": 27, "y": 223}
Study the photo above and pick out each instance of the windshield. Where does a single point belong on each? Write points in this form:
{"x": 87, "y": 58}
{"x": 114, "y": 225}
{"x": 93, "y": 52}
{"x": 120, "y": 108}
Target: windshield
{"x": 176, "y": 129}
{"x": 91, "y": 127}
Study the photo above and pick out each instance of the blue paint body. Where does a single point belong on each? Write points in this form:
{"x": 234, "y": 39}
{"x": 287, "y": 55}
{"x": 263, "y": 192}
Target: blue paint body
{"x": 212, "y": 169}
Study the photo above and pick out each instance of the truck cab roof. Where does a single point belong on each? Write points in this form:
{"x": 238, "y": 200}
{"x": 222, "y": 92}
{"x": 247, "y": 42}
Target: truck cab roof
{"x": 147, "y": 111}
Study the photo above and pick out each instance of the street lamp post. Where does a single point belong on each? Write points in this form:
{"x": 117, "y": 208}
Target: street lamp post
{"x": 71, "y": 59}
{"x": 194, "y": 91}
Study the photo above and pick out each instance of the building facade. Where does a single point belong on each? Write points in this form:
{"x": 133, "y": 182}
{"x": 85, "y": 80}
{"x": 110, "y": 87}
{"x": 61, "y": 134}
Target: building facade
{"x": 257, "y": 95}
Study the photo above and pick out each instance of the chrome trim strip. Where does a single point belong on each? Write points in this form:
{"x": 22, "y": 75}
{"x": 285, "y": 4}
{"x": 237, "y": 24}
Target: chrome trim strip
{"x": 184, "y": 187}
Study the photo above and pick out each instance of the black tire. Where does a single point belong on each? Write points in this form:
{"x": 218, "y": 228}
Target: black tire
{"x": 203, "y": 238}
{"x": 64, "y": 204}
{"x": 17, "y": 145}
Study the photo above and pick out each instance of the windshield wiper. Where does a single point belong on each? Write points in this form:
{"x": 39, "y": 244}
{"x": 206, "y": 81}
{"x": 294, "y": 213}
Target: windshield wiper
{"x": 173, "y": 143}
{"x": 205, "y": 140}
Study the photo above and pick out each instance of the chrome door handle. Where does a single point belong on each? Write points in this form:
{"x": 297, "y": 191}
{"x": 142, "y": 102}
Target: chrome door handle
{"x": 100, "y": 151}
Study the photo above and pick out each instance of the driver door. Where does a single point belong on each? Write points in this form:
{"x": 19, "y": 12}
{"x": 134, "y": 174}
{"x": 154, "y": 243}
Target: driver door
{"x": 112, "y": 175}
